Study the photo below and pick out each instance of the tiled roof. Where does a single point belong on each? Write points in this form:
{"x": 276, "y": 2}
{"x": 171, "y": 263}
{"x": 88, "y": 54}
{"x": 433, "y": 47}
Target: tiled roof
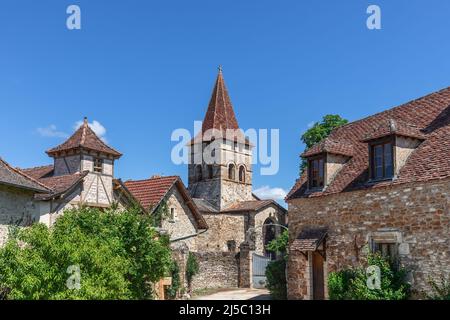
{"x": 397, "y": 127}
{"x": 220, "y": 116}
{"x": 309, "y": 239}
{"x": 151, "y": 192}
{"x": 60, "y": 184}
{"x": 330, "y": 146}
{"x": 253, "y": 205}
{"x": 84, "y": 138}
{"x": 14, "y": 177}
{"x": 56, "y": 184}
{"x": 38, "y": 172}
{"x": 429, "y": 116}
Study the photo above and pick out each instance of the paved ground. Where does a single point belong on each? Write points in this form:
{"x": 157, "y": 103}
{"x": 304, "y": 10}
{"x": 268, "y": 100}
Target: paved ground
{"x": 238, "y": 294}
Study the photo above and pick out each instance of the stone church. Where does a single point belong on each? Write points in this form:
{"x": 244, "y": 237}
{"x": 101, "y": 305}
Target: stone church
{"x": 220, "y": 183}
{"x": 216, "y": 216}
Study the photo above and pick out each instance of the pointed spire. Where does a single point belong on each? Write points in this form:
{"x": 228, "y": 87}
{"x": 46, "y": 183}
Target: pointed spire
{"x": 220, "y": 114}
{"x": 85, "y": 121}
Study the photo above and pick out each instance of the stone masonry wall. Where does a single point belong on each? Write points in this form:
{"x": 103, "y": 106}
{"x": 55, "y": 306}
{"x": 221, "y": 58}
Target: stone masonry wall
{"x": 419, "y": 212}
{"x": 16, "y": 206}
{"x": 222, "y": 228}
{"x": 217, "y": 270}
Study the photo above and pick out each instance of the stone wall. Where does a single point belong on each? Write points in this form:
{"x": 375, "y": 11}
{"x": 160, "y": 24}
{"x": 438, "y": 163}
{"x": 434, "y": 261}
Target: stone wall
{"x": 419, "y": 213}
{"x": 183, "y": 224}
{"x": 222, "y": 229}
{"x": 16, "y": 208}
{"x": 217, "y": 270}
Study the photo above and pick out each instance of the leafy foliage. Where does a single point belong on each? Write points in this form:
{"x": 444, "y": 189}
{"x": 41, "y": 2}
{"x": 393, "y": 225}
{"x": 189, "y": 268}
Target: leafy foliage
{"x": 192, "y": 268}
{"x": 173, "y": 290}
{"x": 321, "y": 130}
{"x": 352, "y": 284}
{"x": 279, "y": 245}
{"x": 440, "y": 291}
{"x": 276, "y": 279}
{"x": 276, "y": 270}
{"x": 162, "y": 212}
{"x": 119, "y": 255}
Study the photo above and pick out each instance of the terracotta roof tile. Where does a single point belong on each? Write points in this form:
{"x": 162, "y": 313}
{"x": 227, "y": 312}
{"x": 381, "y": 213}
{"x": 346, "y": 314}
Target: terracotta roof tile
{"x": 330, "y": 146}
{"x": 394, "y": 127}
{"x": 429, "y": 115}
{"x": 39, "y": 172}
{"x": 309, "y": 239}
{"x": 56, "y": 184}
{"x": 84, "y": 138}
{"x": 151, "y": 192}
{"x": 220, "y": 117}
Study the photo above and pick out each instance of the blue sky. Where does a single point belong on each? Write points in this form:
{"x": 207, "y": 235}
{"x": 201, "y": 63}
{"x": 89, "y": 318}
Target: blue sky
{"x": 144, "y": 68}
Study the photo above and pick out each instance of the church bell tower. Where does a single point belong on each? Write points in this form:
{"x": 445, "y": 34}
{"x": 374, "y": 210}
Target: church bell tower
{"x": 220, "y": 168}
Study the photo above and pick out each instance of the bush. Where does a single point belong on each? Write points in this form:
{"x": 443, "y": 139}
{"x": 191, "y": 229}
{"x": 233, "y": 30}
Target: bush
{"x": 119, "y": 254}
{"x": 192, "y": 268}
{"x": 352, "y": 284}
{"x": 276, "y": 279}
{"x": 276, "y": 270}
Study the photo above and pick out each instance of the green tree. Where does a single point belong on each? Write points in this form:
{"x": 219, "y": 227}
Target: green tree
{"x": 321, "y": 130}
{"x": 276, "y": 270}
{"x": 119, "y": 255}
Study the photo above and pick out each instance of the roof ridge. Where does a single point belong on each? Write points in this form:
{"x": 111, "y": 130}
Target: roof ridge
{"x": 156, "y": 178}
{"x": 37, "y": 167}
{"x": 18, "y": 171}
{"x": 393, "y": 108}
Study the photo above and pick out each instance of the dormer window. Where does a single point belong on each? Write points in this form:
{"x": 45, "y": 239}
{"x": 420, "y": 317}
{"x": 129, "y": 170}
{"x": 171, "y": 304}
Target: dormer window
{"x": 316, "y": 172}
{"x": 98, "y": 165}
{"x": 382, "y": 160}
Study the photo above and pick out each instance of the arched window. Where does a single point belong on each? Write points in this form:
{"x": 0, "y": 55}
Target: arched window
{"x": 198, "y": 173}
{"x": 231, "y": 172}
{"x": 242, "y": 174}
{"x": 269, "y": 232}
{"x": 210, "y": 172}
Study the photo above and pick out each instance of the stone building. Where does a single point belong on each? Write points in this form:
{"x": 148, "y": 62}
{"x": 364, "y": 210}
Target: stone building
{"x": 380, "y": 184}
{"x": 17, "y": 203}
{"x": 82, "y": 173}
{"x": 220, "y": 183}
{"x": 184, "y": 221}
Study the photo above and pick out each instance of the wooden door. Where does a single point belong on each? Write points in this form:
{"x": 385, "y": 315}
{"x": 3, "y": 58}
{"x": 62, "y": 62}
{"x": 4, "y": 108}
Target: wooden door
{"x": 318, "y": 277}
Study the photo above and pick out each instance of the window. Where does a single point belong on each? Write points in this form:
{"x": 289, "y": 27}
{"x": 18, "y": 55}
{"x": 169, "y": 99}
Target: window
{"x": 231, "y": 172}
{"x": 387, "y": 250}
{"x": 98, "y": 165}
{"x": 172, "y": 214}
{"x": 381, "y": 160}
{"x": 236, "y": 145}
{"x": 316, "y": 168}
{"x": 242, "y": 174}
